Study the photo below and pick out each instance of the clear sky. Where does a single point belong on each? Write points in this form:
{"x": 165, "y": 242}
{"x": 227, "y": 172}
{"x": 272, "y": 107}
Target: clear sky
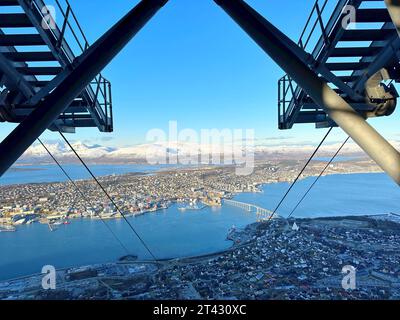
{"x": 193, "y": 64}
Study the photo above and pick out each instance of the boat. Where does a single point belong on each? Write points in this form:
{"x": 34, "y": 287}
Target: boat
{"x": 7, "y": 229}
{"x": 231, "y": 231}
{"x": 128, "y": 258}
{"x": 191, "y": 206}
{"x": 20, "y": 221}
{"x": 52, "y": 227}
{"x": 164, "y": 206}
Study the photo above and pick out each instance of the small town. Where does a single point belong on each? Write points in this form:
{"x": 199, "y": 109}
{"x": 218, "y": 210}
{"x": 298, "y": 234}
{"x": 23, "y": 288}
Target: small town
{"x": 135, "y": 194}
{"x": 282, "y": 259}
{"x": 270, "y": 259}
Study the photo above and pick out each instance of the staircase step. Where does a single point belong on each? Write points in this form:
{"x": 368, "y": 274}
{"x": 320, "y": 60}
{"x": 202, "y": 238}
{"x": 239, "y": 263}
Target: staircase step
{"x": 373, "y": 15}
{"x": 367, "y": 35}
{"x": 15, "y": 20}
{"x": 355, "y": 105}
{"x": 355, "y": 52}
{"x": 337, "y": 66}
{"x": 29, "y": 56}
{"x": 311, "y": 117}
{"x": 39, "y": 71}
{"x": 21, "y": 40}
{"x": 8, "y": 3}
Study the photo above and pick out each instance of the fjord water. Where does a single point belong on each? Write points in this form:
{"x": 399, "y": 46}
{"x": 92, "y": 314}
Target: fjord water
{"x": 333, "y": 195}
{"x": 52, "y": 173}
{"x": 173, "y": 233}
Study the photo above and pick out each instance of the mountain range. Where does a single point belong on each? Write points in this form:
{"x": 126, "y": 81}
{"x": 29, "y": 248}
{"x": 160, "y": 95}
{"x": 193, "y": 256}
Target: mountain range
{"x": 152, "y": 151}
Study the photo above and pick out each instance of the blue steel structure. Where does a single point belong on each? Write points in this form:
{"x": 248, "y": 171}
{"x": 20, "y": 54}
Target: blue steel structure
{"x": 359, "y": 62}
{"x": 70, "y": 90}
{"x": 36, "y": 54}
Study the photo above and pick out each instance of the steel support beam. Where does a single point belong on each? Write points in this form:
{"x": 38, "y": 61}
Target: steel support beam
{"x": 86, "y": 67}
{"x": 274, "y": 43}
{"x": 14, "y": 79}
{"x": 394, "y": 11}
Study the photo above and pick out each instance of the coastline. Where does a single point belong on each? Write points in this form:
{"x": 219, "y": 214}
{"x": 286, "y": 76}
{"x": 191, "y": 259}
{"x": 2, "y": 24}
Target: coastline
{"x": 259, "y": 189}
{"x": 188, "y": 257}
{"x": 249, "y": 232}
{"x": 174, "y": 168}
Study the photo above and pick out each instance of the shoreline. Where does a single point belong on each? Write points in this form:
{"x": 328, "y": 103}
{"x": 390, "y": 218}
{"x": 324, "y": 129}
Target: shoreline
{"x": 173, "y": 168}
{"x": 259, "y": 189}
{"x": 249, "y": 230}
{"x": 159, "y": 169}
{"x": 231, "y": 246}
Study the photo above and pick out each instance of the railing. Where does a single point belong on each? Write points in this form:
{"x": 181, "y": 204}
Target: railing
{"x": 99, "y": 90}
{"x": 316, "y": 34}
{"x": 313, "y": 22}
{"x": 103, "y": 86}
{"x": 286, "y": 96}
{"x": 262, "y": 214}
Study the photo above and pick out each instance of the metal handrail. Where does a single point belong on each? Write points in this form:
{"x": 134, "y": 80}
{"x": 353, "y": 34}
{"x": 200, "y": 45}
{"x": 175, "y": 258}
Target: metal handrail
{"x": 320, "y": 11}
{"x": 303, "y": 42}
{"x": 292, "y": 96}
{"x": 71, "y": 29}
{"x": 77, "y": 24}
{"x": 99, "y": 86}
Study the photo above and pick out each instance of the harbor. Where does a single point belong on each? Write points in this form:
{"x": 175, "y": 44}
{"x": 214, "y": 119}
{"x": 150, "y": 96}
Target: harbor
{"x": 6, "y": 228}
{"x": 173, "y": 233}
{"x": 281, "y": 260}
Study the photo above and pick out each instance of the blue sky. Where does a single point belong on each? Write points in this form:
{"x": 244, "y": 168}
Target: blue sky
{"x": 193, "y": 64}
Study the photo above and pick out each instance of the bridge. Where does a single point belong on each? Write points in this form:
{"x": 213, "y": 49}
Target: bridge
{"x": 262, "y": 214}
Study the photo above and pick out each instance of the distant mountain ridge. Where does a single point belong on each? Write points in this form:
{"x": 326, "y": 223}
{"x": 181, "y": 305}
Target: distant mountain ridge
{"x": 139, "y": 153}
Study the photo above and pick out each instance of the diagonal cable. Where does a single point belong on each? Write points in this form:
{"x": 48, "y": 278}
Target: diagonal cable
{"x": 82, "y": 194}
{"x": 110, "y": 198}
{"x": 299, "y": 175}
{"x": 320, "y": 175}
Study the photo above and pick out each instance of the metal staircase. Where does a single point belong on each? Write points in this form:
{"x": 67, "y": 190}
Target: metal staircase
{"x": 359, "y": 63}
{"x": 36, "y": 55}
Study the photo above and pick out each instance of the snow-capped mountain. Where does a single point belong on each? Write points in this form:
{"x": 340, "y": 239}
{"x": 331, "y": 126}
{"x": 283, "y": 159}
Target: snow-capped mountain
{"x": 160, "y": 151}
{"x": 62, "y": 150}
